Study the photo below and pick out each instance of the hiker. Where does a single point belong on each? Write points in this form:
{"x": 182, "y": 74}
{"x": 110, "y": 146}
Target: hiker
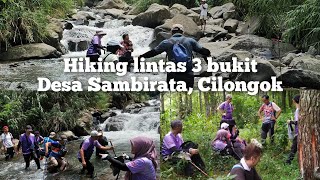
{"x": 86, "y": 151}
{"x": 294, "y": 146}
{"x": 179, "y": 49}
{"x": 226, "y": 109}
{"x": 112, "y": 48}
{"x": 38, "y": 140}
{"x": 94, "y": 50}
{"x": 174, "y": 149}
{"x": 104, "y": 142}
{"x": 245, "y": 170}
{"x": 203, "y": 14}
{"x": 45, "y": 141}
{"x": 126, "y": 51}
{"x": 29, "y": 147}
{"x": 143, "y": 165}
{"x": 7, "y": 143}
{"x": 57, "y": 154}
{"x": 271, "y": 113}
{"x": 223, "y": 143}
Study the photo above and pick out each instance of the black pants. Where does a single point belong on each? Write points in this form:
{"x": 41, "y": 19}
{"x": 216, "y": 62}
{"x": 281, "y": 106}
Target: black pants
{"x": 231, "y": 123}
{"x": 127, "y": 59}
{"x": 267, "y": 128}
{"x": 294, "y": 149}
{"x": 89, "y": 166}
{"x": 188, "y": 78}
{"x": 94, "y": 58}
{"x": 29, "y": 157}
{"x": 9, "y": 154}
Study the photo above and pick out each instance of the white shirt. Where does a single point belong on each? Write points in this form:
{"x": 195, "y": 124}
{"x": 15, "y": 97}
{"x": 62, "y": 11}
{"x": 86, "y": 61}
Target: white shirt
{"x": 109, "y": 57}
{"x": 244, "y": 165}
{"x": 7, "y": 140}
{"x": 204, "y": 9}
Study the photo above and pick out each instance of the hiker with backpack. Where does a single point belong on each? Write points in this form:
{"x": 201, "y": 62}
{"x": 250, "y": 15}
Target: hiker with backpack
{"x": 245, "y": 170}
{"x": 86, "y": 151}
{"x": 45, "y": 141}
{"x": 269, "y": 112}
{"x": 57, "y": 154}
{"x": 294, "y": 146}
{"x": 179, "y": 49}
{"x": 225, "y": 144}
{"x": 143, "y": 165}
{"x": 7, "y": 143}
{"x": 175, "y": 149}
{"x": 29, "y": 147}
{"x": 226, "y": 109}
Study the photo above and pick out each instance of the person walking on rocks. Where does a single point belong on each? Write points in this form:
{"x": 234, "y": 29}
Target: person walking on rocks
{"x": 203, "y": 14}
{"x": 7, "y": 143}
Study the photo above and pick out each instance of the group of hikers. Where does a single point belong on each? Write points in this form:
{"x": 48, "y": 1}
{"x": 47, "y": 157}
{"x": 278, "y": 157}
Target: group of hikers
{"x": 178, "y": 48}
{"x": 227, "y": 141}
{"x": 54, "y": 150}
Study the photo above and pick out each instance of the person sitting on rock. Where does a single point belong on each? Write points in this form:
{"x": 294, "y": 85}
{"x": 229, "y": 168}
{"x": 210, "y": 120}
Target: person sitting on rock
{"x": 245, "y": 170}
{"x": 57, "y": 154}
{"x": 174, "y": 149}
{"x": 104, "y": 142}
{"x": 125, "y": 53}
{"x": 95, "y": 47}
{"x": 223, "y": 143}
{"x": 179, "y": 43}
{"x": 143, "y": 165}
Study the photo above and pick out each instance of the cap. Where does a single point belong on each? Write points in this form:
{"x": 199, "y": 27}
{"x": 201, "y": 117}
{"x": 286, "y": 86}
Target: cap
{"x": 28, "y": 127}
{"x": 114, "y": 43}
{"x": 5, "y": 127}
{"x": 100, "y": 134}
{"x": 228, "y": 96}
{"x": 94, "y": 134}
{"x": 204, "y": 0}
{"x": 224, "y": 125}
{"x": 101, "y": 33}
{"x": 177, "y": 27}
{"x": 52, "y": 135}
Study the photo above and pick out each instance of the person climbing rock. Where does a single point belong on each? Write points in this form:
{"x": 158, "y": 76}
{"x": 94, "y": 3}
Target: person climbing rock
{"x": 226, "y": 109}
{"x": 271, "y": 113}
{"x": 143, "y": 165}
{"x": 57, "y": 154}
{"x": 104, "y": 142}
{"x": 46, "y": 140}
{"x": 7, "y": 143}
{"x": 179, "y": 49}
{"x": 86, "y": 151}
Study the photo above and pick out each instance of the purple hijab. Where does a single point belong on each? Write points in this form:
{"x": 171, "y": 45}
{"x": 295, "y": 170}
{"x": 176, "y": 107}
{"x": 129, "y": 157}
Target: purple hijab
{"x": 143, "y": 147}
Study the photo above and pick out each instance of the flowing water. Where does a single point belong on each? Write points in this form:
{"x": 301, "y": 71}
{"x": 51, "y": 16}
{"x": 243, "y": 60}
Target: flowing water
{"x": 145, "y": 123}
{"x": 24, "y": 74}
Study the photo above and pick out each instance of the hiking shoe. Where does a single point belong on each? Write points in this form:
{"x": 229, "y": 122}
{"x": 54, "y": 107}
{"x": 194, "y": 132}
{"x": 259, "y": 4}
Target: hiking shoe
{"x": 82, "y": 171}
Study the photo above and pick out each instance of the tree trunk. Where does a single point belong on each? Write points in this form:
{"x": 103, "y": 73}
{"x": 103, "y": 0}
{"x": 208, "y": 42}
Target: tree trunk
{"x": 200, "y": 101}
{"x": 309, "y": 134}
{"x": 206, "y": 103}
{"x": 190, "y": 103}
{"x": 162, "y": 102}
{"x": 283, "y": 100}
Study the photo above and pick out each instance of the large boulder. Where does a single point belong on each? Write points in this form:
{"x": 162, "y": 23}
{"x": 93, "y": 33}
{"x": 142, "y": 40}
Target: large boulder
{"x": 153, "y": 17}
{"x": 306, "y": 62}
{"x": 216, "y": 22}
{"x": 213, "y": 30}
{"x": 195, "y": 17}
{"x": 298, "y": 78}
{"x": 231, "y": 25}
{"x": 80, "y": 131}
{"x": 249, "y": 26}
{"x": 83, "y": 15}
{"x": 29, "y": 51}
{"x": 248, "y": 42}
{"x": 70, "y": 135}
{"x": 288, "y": 58}
{"x": 190, "y": 27}
{"x": 109, "y": 4}
{"x": 54, "y": 36}
{"x": 91, "y": 3}
{"x": 78, "y": 46}
{"x": 218, "y": 11}
{"x": 179, "y": 9}
{"x": 265, "y": 71}
{"x": 115, "y": 13}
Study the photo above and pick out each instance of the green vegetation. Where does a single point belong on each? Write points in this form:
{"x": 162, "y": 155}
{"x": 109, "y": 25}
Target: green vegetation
{"x": 52, "y": 111}
{"x": 24, "y": 21}
{"x": 201, "y": 123}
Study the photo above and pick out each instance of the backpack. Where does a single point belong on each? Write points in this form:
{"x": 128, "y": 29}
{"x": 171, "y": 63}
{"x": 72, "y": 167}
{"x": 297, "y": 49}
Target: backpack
{"x": 180, "y": 54}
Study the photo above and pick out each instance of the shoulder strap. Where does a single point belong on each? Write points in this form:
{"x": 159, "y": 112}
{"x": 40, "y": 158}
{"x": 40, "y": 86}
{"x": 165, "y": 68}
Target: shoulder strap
{"x": 106, "y": 56}
{"x": 237, "y": 166}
